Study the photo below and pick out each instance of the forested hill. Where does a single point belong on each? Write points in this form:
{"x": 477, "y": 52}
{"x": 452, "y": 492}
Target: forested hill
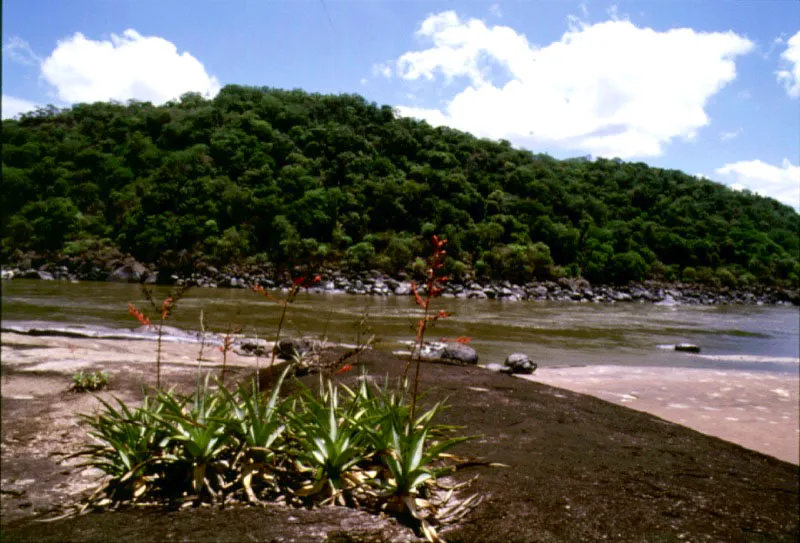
{"x": 288, "y": 177}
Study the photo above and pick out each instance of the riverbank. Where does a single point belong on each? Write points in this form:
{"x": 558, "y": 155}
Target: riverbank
{"x": 580, "y": 468}
{"x": 376, "y": 283}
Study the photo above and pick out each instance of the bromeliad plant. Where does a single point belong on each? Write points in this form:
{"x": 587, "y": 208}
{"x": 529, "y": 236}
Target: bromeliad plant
{"x": 89, "y": 381}
{"x": 338, "y": 445}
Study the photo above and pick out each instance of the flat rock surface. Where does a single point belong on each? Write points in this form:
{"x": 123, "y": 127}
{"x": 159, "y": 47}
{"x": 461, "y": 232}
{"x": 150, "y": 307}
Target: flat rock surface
{"x": 758, "y": 410}
{"x": 580, "y": 469}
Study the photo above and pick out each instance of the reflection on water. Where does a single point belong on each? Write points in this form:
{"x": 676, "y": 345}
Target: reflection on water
{"x": 751, "y": 337}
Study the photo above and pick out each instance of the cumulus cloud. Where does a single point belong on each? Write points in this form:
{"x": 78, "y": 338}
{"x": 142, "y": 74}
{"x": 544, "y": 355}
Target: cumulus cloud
{"x": 609, "y": 89}
{"x": 130, "y": 66}
{"x": 14, "y": 106}
{"x": 790, "y": 74}
{"x": 779, "y": 182}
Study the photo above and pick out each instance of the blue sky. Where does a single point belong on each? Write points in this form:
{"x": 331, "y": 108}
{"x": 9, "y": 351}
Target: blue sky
{"x": 708, "y": 87}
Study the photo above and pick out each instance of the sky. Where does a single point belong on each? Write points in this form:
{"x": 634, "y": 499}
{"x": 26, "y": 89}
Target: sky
{"x": 709, "y": 87}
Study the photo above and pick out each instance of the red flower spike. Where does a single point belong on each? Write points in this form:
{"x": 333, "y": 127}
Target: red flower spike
{"x": 166, "y": 306}
{"x": 298, "y": 281}
{"x": 138, "y": 315}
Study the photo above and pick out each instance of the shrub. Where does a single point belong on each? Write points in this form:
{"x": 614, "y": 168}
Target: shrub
{"x": 629, "y": 266}
{"x": 360, "y": 255}
{"x": 726, "y": 277}
{"x": 689, "y": 274}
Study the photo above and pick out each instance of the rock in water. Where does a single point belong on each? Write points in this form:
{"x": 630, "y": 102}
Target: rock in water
{"x": 519, "y": 363}
{"x": 129, "y": 273}
{"x": 687, "y": 348}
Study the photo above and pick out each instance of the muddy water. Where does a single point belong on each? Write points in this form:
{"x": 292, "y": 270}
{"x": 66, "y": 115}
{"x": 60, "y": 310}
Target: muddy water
{"x": 554, "y": 334}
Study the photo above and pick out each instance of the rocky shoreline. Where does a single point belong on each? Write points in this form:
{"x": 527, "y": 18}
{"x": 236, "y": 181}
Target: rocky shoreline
{"x": 376, "y": 283}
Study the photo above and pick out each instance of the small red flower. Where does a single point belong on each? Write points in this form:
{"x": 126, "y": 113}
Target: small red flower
{"x": 345, "y": 368}
{"x": 305, "y": 281}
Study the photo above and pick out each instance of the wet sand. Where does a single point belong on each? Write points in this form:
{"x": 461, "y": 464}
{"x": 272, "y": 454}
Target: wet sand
{"x": 758, "y": 410}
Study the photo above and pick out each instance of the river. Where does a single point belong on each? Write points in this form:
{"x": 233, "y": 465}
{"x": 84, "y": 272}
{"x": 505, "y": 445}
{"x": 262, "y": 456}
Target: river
{"x": 758, "y": 338}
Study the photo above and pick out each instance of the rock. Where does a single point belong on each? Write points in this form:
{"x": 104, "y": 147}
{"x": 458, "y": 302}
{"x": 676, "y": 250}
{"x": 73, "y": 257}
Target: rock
{"x": 7, "y": 274}
{"x": 494, "y": 367}
{"x": 687, "y": 348}
{"x": 459, "y": 352}
{"x": 294, "y": 347}
{"x": 668, "y": 300}
{"x": 36, "y": 274}
{"x": 252, "y": 347}
{"x": 129, "y": 273}
{"x": 449, "y": 352}
{"x": 519, "y": 363}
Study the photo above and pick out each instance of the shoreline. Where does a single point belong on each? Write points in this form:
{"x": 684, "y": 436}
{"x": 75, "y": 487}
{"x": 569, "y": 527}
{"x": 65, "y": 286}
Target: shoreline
{"x": 755, "y": 409}
{"x": 376, "y": 283}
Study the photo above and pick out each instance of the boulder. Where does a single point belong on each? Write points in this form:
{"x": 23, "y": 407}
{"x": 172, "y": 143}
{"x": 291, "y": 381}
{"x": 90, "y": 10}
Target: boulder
{"x": 252, "y": 347}
{"x": 519, "y": 363}
{"x": 129, "y": 273}
{"x": 403, "y": 289}
{"x": 294, "y": 347}
{"x": 36, "y": 274}
{"x": 458, "y": 352}
{"x": 449, "y": 352}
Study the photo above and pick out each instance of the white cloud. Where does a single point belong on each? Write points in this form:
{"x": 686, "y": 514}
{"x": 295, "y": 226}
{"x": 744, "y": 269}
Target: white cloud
{"x": 19, "y": 51}
{"x": 382, "y": 69}
{"x": 494, "y": 9}
{"x": 727, "y": 136}
{"x": 790, "y": 75}
{"x": 779, "y": 182}
{"x": 14, "y": 106}
{"x": 609, "y": 89}
{"x": 130, "y": 66}
{"x": 364, "y": 81}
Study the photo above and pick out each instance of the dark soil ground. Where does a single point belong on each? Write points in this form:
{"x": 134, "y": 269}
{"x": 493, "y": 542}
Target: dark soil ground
{"x": 581, "y": 469}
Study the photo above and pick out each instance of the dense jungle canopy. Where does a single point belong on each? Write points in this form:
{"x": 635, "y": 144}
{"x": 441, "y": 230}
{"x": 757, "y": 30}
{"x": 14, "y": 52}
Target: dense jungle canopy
{"x": 264, "y": 175}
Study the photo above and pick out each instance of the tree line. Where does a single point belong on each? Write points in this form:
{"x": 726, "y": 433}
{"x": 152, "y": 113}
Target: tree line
{"x": 259, "y": 175}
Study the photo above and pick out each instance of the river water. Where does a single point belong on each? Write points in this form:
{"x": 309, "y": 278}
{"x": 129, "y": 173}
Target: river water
{"x": 553, "y": 334}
